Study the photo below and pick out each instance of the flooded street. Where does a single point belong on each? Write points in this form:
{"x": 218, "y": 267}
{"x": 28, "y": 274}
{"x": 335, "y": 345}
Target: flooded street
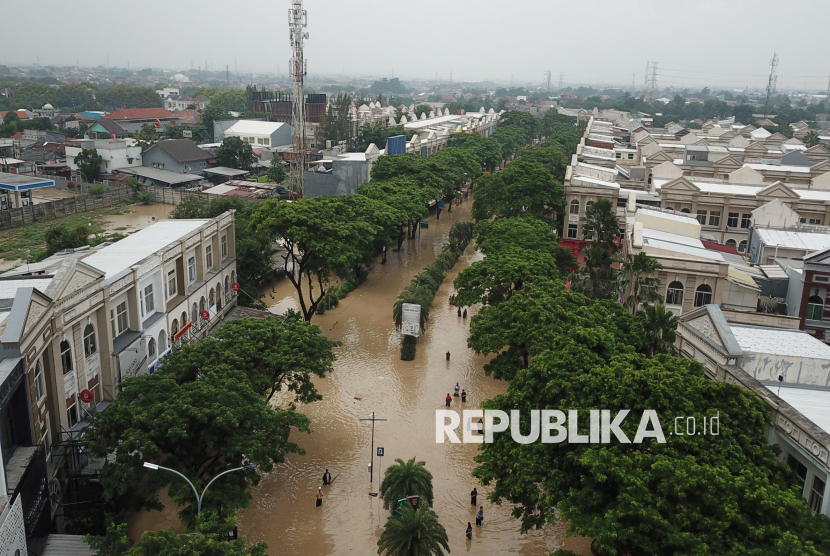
{"x": 369, "y": 376}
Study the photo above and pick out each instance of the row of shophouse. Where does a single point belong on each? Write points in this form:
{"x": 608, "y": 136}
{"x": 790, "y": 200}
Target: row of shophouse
{"x": 738, "y": 218}
{"x": 75, "y": 325}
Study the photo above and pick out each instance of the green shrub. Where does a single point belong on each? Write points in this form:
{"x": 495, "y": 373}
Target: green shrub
{"x": 95, "y": 190}
{"x": 408, "y": 348}
{"x": 60, "y": 237}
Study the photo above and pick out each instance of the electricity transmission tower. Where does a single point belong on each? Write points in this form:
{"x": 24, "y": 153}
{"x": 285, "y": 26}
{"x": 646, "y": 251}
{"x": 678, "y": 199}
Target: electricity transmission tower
{"x": 561, "y": 80}
{"x": 773, "y": 80}
{"x": 652, "y": 80}
{"x": 547, "y": 77}
{"x": 297, "y": 23}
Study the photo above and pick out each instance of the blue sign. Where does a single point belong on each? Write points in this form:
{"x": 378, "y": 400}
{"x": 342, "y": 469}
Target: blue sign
{"x": 441, "y": 205}
{"x": 380, "y": 452}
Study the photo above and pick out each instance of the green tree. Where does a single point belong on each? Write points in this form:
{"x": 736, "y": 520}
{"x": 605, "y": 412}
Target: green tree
{"x": 89, "y": 163}
{"x": 230, "y": 100}
{"x": 146, "y": 136}
{"x": 276, "y": 171}
{"x": 276, "y": 354}
{"x": 199, "y": 428}
{"x": 413, "y": 533}
{"x": 235, "y": 153}
{"x": 211, "y": 113}
{"x": 173, "y": 131}
{"x": 743, "y": 113}
{"x": 600, "y": 225}
{"x": 124, "y": 95}
{"x": 529, "y": 125}
{"x": 405, "y": 195}
{"x": 495, "y": 278}
{"x": 693, "y": 494}
{"x": 522, "y": 188}
{"x": 406, "y": 478}
{"x": 659, "y": 326}
{"x": 811, "y": 139}
{"x": 422, "y": 109}
{"x": 488, "y": 150}
{"x": 336, "y": 124}
{"x": 32, "y": 96}
{"x": 72, "y": 96}
{"x": 322, "y": 236}
{"x": 596, "y": 278}
{"x": 524, "y": 232}
{"x": 638, "y": 281}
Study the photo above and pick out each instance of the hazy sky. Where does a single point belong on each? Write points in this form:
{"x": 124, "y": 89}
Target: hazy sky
{"x": 720, "y": 43}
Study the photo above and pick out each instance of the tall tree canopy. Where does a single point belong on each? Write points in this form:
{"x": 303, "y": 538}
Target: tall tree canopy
{"x": 124, "y": 95}
{"x": 522, "y": 188}
{"x": 235, "y": 153}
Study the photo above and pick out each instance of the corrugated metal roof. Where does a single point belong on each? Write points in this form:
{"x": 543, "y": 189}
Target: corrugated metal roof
{"x": 774, "y": 272}
{"x": 66, "y": 545}
{"x": 115, "y": 260}
{"x": 794, "y": 240}
{"x": 778, "y": 341}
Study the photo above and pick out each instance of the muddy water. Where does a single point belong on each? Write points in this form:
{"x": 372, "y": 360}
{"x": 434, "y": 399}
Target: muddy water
{"x": 139, "y": 217}
{"x": 369, "y": 376}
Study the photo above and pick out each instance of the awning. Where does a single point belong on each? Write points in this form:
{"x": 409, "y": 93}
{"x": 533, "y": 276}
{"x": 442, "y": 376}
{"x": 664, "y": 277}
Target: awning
{"x": 19, "y": 182}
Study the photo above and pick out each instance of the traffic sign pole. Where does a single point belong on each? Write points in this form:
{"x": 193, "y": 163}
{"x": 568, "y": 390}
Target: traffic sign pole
{"x": 380, "y": 467}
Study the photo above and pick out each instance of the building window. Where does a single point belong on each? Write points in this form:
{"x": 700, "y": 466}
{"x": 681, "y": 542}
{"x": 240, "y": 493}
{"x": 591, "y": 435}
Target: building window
{"x": 171, "y": 284}
{"x": 746, "y": 220}
{"x": 224, "y": 243}
{"x": 72, "y": 416}
{"x": 209, "y": 256}
{"x": 630, "y": 156}
{"x": 674, "y": 293}
{"x": 732, "y": 220}
{"x": 703, "y": 295}
{"x": 149, "y": 305}
{"x": 66, "y": 357}
{"x": 119, "y": 319}
{"x": 191, "y": 269}
{"x": 588, "y": 205}
{"x": 574, "y": 207}
{"x": 731, "y": 243}
{"x": 815, "y": 221}
{"x": 572, "y": 228}
{"x": 40, "y": 391}
{"x": 701, "y": 217}
{"x": 685, "y": 210}
{"x": 714, "y": 218}
{"x": 742, "y": 247}
{"x": 816, "y": 495}
{"x": 618, "y": 155}
{"x": 815, "y": 308}
{"x": 151, "y": 349}
{"x": 162, "y": 342}
{"x": 89, "y": 340}
{"x": 799, "y": 470}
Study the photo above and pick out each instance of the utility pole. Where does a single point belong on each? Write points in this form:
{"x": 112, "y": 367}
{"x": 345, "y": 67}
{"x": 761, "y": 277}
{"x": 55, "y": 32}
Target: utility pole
{"x": 773, "y": 80}
{"x": 297, "y": 23}
{"x": 373, "y": 419}
{"x": 547, "y": 78}
{"x": 645, "y": 75}
{"x": 633, "y": 76}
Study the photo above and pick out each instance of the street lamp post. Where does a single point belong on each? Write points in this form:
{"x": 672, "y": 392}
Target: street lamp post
{"x": 199, "y": 497}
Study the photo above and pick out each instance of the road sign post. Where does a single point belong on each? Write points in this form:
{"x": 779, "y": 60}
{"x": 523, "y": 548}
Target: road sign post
{"x": 373, "y": 419}
{"x": 380, "y": 466}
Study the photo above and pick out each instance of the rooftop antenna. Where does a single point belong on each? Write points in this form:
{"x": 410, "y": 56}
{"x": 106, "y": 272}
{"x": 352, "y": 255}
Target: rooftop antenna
{"x": 297, "y": 23}
{"x": 773, "y": 80}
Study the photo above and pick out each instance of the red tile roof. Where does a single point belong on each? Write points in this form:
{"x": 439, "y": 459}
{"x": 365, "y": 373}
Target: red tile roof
{"x": 714, "y": 246}
{"x": 138, "y": 114}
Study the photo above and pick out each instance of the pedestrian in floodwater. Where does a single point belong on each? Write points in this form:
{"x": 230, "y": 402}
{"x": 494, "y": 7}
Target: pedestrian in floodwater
{"x": 459, "y": 311}
{"x": 480, "y": 516}
{"x": 473, "y": 496}
{"x": 448, "y": 355}
{"x": 463, "y": 396}
{"x": 457, "y": 389}
{"x": 465, "y": 313}
{"x": 448, "y": 399}
{"x": 320, "y": 497}
{"x": 469, "y": 530}
{"x": 326, "y": 477}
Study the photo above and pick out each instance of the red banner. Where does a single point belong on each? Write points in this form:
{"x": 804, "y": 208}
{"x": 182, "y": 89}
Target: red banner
{"x": 181, "y": 332}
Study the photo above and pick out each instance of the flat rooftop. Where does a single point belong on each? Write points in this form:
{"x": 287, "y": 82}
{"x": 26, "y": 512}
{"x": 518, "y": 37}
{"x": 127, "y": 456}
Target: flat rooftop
{"x": 811, "y": 403}
{"x": 19, "y": 182}
{"x": 809, "y": 241}
{"x": 116, "y": 260}
{"x": 778, "y": 341}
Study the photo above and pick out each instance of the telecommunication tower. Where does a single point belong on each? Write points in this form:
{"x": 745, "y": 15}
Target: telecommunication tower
{"x": 773, "y": 81}
{"x": 547, "y": 77}
{"x": 297, "y": 23}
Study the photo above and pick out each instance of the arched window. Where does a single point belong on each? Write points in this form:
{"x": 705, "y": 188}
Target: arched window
{"x": 674, "y": 293}
{"x": 669, "y": 208}
{"x": 218, "y": 295}
{"x": 731, "y": 243}
{"x": 742, "y": 247}
{"x": 194, "y": 315}
{"x": 588, "y": 205}
{"x": 687, "y": 211}
{"x": 815, "y": 308}
{"x": 162, "y": 342}
{"x": 212, "y": 297}
{"x": 66, "y": 357}
{"x": 89, "y": 340}
{"x": 703, "y": 295}
{"x": 574, "y": 207}
{"x": 174, "y": 328}
{"x": 151, "y": 349}
{"x": 202, "y": 304}
{"x": 227, "y": 287}
{"x": 184, "y": 318}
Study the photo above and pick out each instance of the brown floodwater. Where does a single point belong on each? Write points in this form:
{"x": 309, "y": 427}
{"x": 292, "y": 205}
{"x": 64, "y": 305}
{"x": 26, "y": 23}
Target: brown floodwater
{"x": 139, "y": 217}
{"x": 369, "y": 376}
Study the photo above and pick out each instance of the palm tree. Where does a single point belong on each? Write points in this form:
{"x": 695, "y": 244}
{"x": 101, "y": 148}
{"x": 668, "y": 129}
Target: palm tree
{"x": 418, "y": 295}
{"x": 659, "y": 325}
{"x": 406, "y": 479}
{"x": 811, "y": 139}
{"x": 638, "y": 283}
{"x": 413, "y": 533}
{"x": 596, "y": 278}
{"x": 600, "y": 225}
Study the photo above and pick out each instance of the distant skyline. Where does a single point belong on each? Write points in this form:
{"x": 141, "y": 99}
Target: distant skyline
{"x": 708, "y": 42}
